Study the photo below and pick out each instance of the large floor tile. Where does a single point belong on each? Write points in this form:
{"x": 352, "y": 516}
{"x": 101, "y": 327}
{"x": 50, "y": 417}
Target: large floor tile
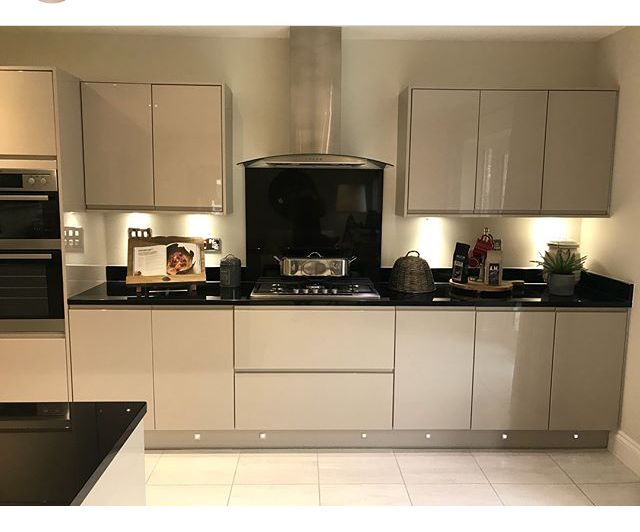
{"x": 359, "y": 468}
{"x": 440, "y": 468}
{"x": 520, "y": 468}
{"x": 150, "y": 462}
{"x": 364, "y": 495}
{"x": 613, "y": 494}
{"x": 274, "y": 495}
{"x": 194, "y": 468}
{"x": 270, "y": 468}
{"x": 594, "y": 467}
{"x": 541, "y": 495}
{"x": 453, "y": 495}
{"x": 187, "y": 495}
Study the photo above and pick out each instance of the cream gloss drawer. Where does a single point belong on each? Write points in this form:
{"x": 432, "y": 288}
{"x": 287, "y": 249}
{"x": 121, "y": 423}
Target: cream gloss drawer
{"x": 313, "y": 401}
{"x": 303, "y": 338}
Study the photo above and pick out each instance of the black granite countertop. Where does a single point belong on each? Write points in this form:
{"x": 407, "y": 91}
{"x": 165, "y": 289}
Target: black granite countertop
{"x": 593, "y": 291}
{"x": 54, "y": 453}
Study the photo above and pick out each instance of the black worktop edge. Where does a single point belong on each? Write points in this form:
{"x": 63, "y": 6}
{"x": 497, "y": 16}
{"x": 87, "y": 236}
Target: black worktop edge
{"x": 95, "y": 476}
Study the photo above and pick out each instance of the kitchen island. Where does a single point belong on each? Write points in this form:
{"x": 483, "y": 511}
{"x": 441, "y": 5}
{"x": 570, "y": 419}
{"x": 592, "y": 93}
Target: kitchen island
{"x": 89, "y": 453}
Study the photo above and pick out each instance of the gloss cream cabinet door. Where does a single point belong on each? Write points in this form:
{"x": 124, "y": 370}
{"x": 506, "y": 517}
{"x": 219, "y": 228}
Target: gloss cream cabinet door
{"x": 111, "y": 356}
{"x": 33, "y": 369}
{"x": 193, "y": 368}
{"x": 587, "y": 369}
{"x": 579, "y": 152}
{"x": 512, "y": 369}
{"x": 118, "y": 147}
{"x": 442, "y": 147}
{"x": 510, "y": 151}
{"x": 27, "y": 115}
{"x": 314, "y": 401}
{"x": 314, "y": 338}
{"x": 188, "y": 149}
{"x": 433, "y": 369}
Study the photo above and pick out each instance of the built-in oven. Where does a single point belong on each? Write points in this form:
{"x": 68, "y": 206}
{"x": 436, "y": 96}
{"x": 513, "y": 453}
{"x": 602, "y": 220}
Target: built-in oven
{"x": 31, "y": 294}
{"x": 29, "y": 205}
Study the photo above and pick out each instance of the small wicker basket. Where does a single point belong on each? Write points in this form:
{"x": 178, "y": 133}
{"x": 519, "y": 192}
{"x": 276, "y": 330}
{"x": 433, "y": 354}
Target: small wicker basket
{"x": 411, "y": 275}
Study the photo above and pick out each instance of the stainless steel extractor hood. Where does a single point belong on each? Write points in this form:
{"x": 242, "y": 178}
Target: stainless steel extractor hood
{"x": 315, "y": 75}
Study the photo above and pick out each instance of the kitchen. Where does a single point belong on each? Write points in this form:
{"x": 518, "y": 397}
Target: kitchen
{"x": 220, "y": 369}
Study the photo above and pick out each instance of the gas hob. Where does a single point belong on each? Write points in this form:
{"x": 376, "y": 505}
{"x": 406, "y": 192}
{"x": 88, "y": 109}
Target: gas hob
{"x": 335, "y": 289}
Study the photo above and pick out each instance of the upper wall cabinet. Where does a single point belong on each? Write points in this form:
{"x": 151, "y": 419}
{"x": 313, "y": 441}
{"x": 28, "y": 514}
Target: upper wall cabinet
{"x": 160, "y": 146}
{"x": 528, "y": 152}
{"x": 579, "y": 152}
{"x": 510, "y": 151}
{"x": 27, "y": 114}
{"x": 440, "y": 152}
{"x": 118, "y": 152}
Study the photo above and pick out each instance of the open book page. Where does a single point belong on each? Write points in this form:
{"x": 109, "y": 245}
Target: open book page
{"x": 150, "y": 260}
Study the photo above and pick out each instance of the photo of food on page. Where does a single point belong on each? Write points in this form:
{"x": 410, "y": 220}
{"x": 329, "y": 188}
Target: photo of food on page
{"x": 183, "y": 258}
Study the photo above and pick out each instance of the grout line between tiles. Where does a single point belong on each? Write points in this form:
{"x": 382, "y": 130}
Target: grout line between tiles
{"x": 318, "y": 471}
{"x": 233, "y": 480}
{"x": 490, "y": 483}
{"x": 154, "y": 467}
{"x": 404, "y": 482}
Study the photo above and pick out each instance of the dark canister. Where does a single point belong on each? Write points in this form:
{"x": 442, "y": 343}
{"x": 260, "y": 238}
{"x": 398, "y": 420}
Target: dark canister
{"x": 230, "y": 272}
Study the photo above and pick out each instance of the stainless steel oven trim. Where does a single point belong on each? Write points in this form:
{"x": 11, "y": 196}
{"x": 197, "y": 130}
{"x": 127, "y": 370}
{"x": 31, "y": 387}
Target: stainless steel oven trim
{"x": 18, "y": 244}
{"x": 23, "y": 197}
{"x": 26, "y": 256}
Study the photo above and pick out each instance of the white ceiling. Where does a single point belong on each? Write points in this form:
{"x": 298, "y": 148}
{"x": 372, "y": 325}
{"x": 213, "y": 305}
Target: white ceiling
{"x": 438, "y": 33}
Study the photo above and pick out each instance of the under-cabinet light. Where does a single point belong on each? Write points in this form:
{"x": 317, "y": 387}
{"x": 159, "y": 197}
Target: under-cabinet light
{"x": 263, "y": 435}
{"x": 363, "y": 435}
{"x": 504, "y": 436}
{"x": 196, "y": 436}
{"x": 428, "y": 436}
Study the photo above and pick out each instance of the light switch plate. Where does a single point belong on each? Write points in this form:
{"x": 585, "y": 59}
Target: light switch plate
{"x": 74, "y": 239}
{"x": 138, "y": 232}
{"x": 213, "y": 245}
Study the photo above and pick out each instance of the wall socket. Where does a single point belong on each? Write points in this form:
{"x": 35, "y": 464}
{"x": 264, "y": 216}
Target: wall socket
{"x": 74, "y": 239}
{"x": 213, "y": 245}
{"x": 138, "y": 232}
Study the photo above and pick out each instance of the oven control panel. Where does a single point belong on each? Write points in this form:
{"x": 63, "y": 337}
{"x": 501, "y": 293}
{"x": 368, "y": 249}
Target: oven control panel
{"x": 40, "y": 181}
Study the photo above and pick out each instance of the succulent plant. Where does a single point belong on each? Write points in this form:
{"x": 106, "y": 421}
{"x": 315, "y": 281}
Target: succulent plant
{"x": 561, "y": 262}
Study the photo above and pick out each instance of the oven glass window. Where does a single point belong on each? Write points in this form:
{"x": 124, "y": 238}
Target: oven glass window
{"x": 29, "y": 218}
{"x": 31, "y": 285}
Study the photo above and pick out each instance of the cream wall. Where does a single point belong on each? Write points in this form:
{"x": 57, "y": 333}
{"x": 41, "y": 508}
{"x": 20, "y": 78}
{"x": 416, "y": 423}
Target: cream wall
{"x": 374, "y": 72}
{"x": 613, "y": 244}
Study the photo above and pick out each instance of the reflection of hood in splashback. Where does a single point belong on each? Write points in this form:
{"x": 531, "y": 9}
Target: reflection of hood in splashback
{"x": 315, "y": 72}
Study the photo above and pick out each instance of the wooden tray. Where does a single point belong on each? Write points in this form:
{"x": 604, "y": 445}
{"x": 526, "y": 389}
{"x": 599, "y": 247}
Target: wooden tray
{"x": 477, "y": 286}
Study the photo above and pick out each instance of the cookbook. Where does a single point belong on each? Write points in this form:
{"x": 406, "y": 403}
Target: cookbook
{"x": 163, "y": 259}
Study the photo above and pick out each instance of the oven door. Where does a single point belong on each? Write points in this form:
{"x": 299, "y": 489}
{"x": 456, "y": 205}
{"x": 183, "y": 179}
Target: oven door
{"x": 29, "y": 220}
{"x": 31, "y": 295}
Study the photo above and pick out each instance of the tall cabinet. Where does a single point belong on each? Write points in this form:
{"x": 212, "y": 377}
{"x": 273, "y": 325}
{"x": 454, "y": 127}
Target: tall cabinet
{"x": 157, "y": 146}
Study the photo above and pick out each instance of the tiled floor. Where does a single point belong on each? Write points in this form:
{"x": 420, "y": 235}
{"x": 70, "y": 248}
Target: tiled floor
{"x": 385, "y": 477}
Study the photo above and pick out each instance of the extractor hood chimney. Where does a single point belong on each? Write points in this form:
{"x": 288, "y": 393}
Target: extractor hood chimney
{"x": 315, "y": 75}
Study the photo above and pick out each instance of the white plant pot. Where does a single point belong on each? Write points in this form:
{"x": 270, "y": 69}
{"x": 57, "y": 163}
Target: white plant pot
{"x": 561, "y": 284}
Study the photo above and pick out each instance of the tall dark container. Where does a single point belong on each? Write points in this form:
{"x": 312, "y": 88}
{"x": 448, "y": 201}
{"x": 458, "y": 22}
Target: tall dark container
{"x": 293, "y": 211}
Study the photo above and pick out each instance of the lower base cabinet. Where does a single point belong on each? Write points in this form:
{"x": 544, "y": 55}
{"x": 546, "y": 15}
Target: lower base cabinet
{"x": 33, "y": 369}
{"x": 434, "y": 369}
{"x": 512, "y": 369}
{"x": 314, "y": 401}
{"x": 111, "y": 356}
{"x": 193, "y": 369}
{"x": 587, "y": 370}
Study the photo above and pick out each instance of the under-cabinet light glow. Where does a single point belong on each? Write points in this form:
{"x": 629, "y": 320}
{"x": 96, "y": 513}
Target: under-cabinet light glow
{"x": 263, "y": 435}
{"x": 504, "y": 436}
{"x": 196, "y": 436}
{"x": 363, "y": 435}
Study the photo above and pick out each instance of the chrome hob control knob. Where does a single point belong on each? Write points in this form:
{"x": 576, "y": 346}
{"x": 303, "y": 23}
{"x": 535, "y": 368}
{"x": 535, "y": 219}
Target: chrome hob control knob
{"x": 315, "y": 290}
{"x": 334, "y": 290}
{"x": 325, "y": 290}
{"x": 305, "y": 290}
{"x": 296, "y": 290}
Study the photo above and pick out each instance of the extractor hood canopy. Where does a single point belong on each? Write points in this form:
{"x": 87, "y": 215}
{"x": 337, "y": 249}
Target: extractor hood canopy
{"x": 315, "y": 71}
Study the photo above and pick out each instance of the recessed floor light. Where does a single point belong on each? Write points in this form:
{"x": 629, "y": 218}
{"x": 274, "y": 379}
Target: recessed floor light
{"x": 51, "y": 1}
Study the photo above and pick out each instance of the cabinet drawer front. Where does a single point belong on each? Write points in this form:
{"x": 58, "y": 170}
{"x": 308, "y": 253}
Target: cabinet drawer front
{"x": 111, "y": 356}
{"x": 434, "y": 368}
{"x": 193, "y": 369}
{"x": 443, "y": 149}
{"x": 313, "y": 401}
{"x": 323, "y": 339}
{"x": 26, "y": 104}
{"x": 512, "y": 375}
{"x": 587, "y": 370}
{"x": 33, "y": 369}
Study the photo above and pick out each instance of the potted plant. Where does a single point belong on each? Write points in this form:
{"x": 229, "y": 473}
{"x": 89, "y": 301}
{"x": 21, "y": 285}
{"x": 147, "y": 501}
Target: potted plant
{"x": 559, "y": 270}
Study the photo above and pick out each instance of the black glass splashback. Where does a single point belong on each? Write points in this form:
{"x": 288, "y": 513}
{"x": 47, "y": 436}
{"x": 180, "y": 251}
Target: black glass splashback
{"x": 292, "y": 212}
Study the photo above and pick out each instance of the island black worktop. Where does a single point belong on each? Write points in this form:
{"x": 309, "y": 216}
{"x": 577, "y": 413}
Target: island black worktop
{"x": 594, "y": 290}
{"x": 54, "y": 453}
